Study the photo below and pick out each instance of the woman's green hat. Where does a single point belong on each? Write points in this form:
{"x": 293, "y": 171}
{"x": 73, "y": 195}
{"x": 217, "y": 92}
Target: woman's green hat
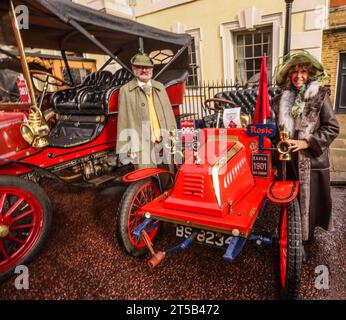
{"x": 298, "y": 57}
{"x": 141, "y": 60}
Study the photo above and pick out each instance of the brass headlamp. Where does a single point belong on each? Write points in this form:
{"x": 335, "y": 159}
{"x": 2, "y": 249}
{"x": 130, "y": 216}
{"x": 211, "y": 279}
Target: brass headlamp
{"x": 34, "y": 131}
{"x": 283, "y": 147}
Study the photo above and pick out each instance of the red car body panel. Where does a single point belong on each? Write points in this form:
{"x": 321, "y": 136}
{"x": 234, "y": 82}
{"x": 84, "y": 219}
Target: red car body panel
{"x": 11, "y": 140}
{"x": 219, "y": 194}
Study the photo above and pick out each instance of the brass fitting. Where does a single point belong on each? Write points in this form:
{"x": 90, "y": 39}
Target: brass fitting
{"x": 283, "y": 147}
{"x": 35, "y": 130}
{"x": 4, "y": 231}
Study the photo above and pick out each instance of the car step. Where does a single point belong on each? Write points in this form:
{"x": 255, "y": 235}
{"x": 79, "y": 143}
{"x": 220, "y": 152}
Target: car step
{"x": 101, "y": 180}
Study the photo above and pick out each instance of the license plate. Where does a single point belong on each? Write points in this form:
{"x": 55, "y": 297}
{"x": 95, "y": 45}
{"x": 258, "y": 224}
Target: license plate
{"x": 205, "y": 236}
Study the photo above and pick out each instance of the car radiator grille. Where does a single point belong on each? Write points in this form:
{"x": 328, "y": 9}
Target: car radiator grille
{"x": 193, "y": 185}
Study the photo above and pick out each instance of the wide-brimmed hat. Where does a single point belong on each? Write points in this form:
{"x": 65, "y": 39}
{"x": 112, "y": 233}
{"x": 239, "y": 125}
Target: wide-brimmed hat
{"x": 141, "y": 60}
{"x": 298, "y": 57}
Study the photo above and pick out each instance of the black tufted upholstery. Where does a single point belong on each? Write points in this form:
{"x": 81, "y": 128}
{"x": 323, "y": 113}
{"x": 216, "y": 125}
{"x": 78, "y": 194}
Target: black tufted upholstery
{"x": 90, "y": 97}
{"x": 246, "y": 98}
{"x": 82, "y": 110}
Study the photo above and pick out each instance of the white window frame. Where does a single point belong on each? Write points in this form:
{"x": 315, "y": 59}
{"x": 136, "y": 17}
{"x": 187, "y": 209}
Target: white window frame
{"x": 197, "y": 35}
{"x": 226, "y": 33}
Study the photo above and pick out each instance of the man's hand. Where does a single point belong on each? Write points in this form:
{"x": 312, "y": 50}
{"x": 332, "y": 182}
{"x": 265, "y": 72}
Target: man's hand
{"x": 296, "y": 145}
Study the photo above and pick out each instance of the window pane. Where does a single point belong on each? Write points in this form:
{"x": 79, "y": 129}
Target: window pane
{"x": 258, "y": 64}
{"x": 248, "y": 52}
{"x": 258, "y": 51}
{"x": 240, "y": 40}
{"x": 258, "y": 38}
{"x": 266, "y": 37}
{"x": 248, "y": 39}
{"x": 241, "y": 71}
{"x": 241, "y": 53}
{"x": 249, "y": 64}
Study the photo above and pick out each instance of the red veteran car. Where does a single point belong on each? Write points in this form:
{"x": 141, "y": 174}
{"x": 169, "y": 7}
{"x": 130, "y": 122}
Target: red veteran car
{"x": 69, "y": 134}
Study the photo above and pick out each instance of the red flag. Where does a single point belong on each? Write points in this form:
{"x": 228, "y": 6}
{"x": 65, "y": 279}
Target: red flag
{"x": 262, "y": 111}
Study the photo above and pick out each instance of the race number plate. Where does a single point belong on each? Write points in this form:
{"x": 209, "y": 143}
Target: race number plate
{"x": 205, "y": 236}
{"x": 187, "y": 129}
{"x": 23, "y": 90}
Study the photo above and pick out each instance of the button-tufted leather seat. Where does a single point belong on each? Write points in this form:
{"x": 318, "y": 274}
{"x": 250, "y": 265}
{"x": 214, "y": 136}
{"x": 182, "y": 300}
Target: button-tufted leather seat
{"x": 246, "y": 98}
{"x": 83, "y": 109}
{"x": 90, "y": 97}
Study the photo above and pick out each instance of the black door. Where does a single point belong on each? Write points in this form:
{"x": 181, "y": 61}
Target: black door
{"x": 340, "y": 99}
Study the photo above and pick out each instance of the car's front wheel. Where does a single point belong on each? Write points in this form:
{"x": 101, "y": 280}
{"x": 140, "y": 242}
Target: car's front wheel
{"x": 25, "y": 220}
{"x": 128, "y": 219}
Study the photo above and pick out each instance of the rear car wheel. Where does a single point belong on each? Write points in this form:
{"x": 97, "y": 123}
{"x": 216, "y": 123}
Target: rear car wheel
{"x": 137, "y": 195}
{"x": 25, "y": 220}
{"x": 290, "y": 250}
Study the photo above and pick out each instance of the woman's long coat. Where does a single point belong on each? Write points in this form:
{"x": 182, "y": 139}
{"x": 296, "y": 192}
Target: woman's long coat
{"x": 319, "y": 127}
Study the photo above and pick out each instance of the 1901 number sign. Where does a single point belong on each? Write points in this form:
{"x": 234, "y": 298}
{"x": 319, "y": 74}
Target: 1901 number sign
{"x": 260, "y": 165}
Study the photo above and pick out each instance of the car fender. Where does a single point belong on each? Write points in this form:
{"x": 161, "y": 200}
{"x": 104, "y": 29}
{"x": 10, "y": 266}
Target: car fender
{"x": 283, "y": 192}
{"x": 141, "y": 174}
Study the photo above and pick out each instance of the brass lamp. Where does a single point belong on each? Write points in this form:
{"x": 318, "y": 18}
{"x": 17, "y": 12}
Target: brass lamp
{"x": 34, "y": 131}
{"x": 283, "y": 147}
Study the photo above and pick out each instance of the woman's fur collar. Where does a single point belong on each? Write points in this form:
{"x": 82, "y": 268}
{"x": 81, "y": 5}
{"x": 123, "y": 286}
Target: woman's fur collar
{"x": 286, "y": 102}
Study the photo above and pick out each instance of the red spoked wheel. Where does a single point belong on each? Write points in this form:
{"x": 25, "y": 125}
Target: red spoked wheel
{"x": 290, "y": 250}
{"x": 128, "y": 217}
{"x": 25, "y": 218}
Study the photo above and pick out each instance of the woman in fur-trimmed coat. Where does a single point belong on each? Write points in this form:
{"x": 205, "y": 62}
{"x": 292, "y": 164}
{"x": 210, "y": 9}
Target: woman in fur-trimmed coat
{"x": 304, "y": 110}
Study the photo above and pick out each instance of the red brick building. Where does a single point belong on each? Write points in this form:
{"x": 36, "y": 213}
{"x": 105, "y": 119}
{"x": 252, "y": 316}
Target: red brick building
{"x": 334, "y": 53}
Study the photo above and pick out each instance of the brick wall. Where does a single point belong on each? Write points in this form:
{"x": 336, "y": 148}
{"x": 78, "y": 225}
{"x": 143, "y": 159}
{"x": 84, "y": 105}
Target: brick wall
{"x": 337, "y": 3}
{"x": 334, "y": 42}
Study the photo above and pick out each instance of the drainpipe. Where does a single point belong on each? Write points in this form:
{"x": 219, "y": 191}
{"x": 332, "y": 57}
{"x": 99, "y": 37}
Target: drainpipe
{"x": 287, "y": 47}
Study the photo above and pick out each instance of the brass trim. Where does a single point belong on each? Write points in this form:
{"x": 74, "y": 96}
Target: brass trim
{"x": 20, "y": 45}
{"x": 4, "y": 231}
{"x": 222, "y": 138}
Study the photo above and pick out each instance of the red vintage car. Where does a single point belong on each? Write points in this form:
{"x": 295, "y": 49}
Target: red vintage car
{"x": 216, "y": 196}
{"x": 70, "y": 134}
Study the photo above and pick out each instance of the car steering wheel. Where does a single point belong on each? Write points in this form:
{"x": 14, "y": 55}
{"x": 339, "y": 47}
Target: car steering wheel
{"x": 217, "y": 108}
{"x": 46, "y": 81}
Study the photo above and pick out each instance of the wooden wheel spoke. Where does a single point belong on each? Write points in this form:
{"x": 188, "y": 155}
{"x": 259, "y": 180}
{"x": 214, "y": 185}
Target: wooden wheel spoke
{"x": 14, "y": 207}
{"x": 23, "y": 226}
{"x": 2, "y": 201}
{"x": 21, "y": 216}
{"x": 2, "y": 250}
{"x": 11, "y": 237}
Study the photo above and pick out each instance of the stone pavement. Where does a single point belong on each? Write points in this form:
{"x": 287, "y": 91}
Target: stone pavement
{"x": 338, "y": 154}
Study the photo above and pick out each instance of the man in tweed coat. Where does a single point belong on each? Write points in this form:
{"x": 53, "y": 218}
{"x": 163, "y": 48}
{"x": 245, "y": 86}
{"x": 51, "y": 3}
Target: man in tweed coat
{"x": 145, "y": 116}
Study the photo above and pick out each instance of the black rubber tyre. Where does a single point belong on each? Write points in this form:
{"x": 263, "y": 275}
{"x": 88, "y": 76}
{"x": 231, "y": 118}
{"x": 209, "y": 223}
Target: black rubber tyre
{"x": 127, "y": 221}
{"x": 290, "y": 279}
{"x": 33, "y": 237}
